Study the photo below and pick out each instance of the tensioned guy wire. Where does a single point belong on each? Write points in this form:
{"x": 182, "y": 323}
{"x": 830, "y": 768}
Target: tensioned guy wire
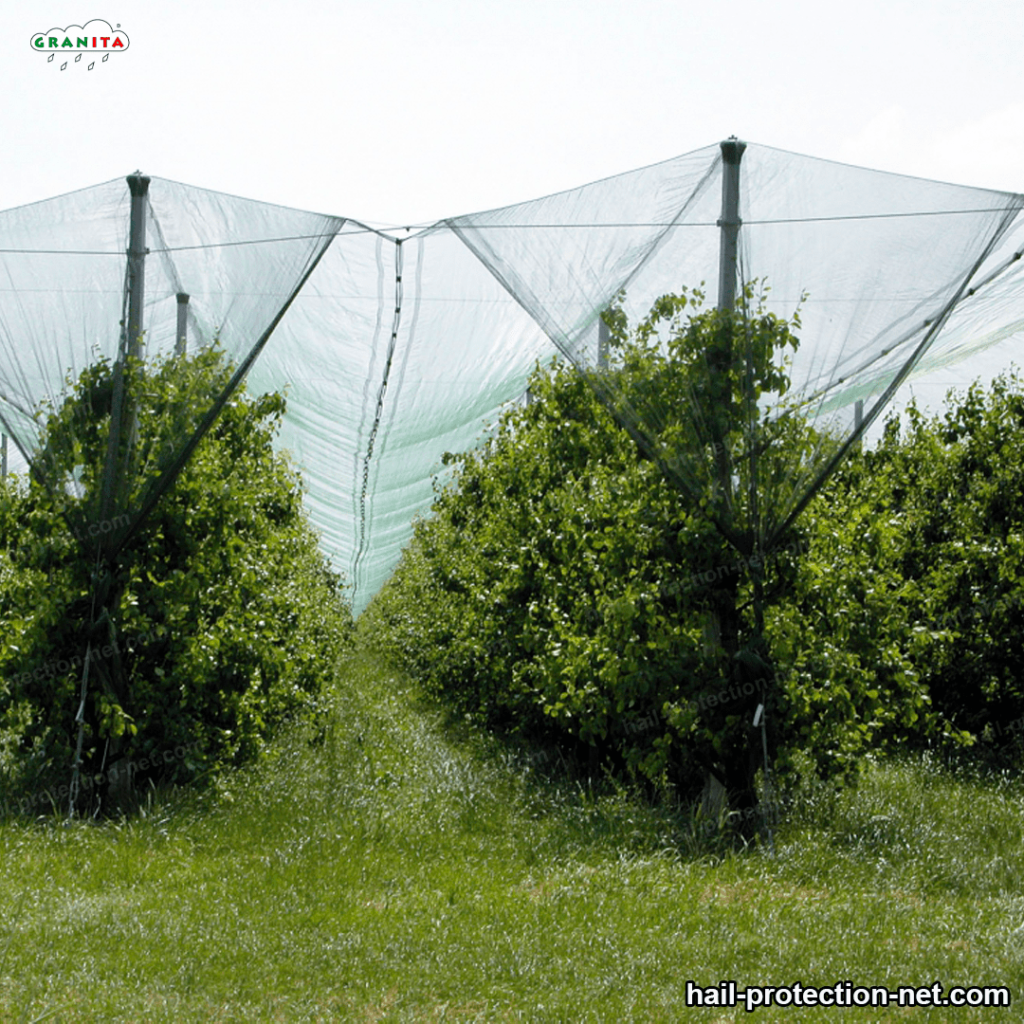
{"x": 501, "y": 227}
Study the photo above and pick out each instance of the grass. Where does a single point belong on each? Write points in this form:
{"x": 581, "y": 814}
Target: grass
{"x": 389, "y": 872}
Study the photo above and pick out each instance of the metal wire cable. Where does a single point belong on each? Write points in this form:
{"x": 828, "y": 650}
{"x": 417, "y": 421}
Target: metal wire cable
{"x": 363, "y": 229}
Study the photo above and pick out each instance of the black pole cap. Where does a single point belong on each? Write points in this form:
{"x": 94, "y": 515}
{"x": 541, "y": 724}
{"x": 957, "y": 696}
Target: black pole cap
{"x": 138, "y": 183}
{"x": 732, "y": 150}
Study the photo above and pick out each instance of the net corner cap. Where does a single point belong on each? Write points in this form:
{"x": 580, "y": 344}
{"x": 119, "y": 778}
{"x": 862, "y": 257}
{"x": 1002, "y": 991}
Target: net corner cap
{"x": 732, "y": 149}
{"x": 138, "y": 183}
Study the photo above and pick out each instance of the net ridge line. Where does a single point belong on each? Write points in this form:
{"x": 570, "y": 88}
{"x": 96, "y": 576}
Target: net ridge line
{"x": 381, "y": 391}
{"x": 396, "y": 383}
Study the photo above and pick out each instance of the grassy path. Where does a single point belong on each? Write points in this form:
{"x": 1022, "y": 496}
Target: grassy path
{"x": 388, "y": 874}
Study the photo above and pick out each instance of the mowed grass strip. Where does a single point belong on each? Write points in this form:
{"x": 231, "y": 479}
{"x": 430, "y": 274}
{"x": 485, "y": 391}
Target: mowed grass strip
{"x": 387, "y": 872}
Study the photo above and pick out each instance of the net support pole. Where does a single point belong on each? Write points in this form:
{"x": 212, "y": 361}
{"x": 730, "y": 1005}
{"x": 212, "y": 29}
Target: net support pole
{"x": 732, "y": 153}
{"x": 721, "y": 359}
{"x": 139, "y": 186}
{"x": 121, "y": 416}
{"x": 604, "y": 337}
{"x": 720, "y": 354}
{"x": 3, "y": 455}
{"x": 181, "y": 336}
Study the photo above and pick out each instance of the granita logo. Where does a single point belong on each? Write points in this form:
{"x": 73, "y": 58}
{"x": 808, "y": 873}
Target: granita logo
{"x": 89, "y": 40}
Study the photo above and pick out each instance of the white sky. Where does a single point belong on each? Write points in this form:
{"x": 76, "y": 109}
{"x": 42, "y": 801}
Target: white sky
{"x": 396, "y": 112}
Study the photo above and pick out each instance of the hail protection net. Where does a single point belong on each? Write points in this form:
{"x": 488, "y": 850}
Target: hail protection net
{"x": 395, "y": 349}
{"x": 75, "y": 361}
{"x": 824, "y": 287}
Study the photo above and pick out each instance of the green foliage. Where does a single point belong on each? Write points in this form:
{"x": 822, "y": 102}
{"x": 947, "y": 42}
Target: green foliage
{"x": 708, "y": 388}
{"x": 565, "y": 589}
{"x": 956, "y": 484}
{"x": 216, "y": 620}
{"x": 846, "y": 642}
{"x": 546, "y": 593}
{"x": 914, "y": 585}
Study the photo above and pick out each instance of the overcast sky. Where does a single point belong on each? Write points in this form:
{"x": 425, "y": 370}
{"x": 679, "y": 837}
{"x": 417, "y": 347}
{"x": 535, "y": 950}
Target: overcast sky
{"x": 396, "y": 112}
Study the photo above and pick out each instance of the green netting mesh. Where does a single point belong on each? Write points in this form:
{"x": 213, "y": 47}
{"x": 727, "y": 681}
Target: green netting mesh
{"x": 396, "y": 349}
